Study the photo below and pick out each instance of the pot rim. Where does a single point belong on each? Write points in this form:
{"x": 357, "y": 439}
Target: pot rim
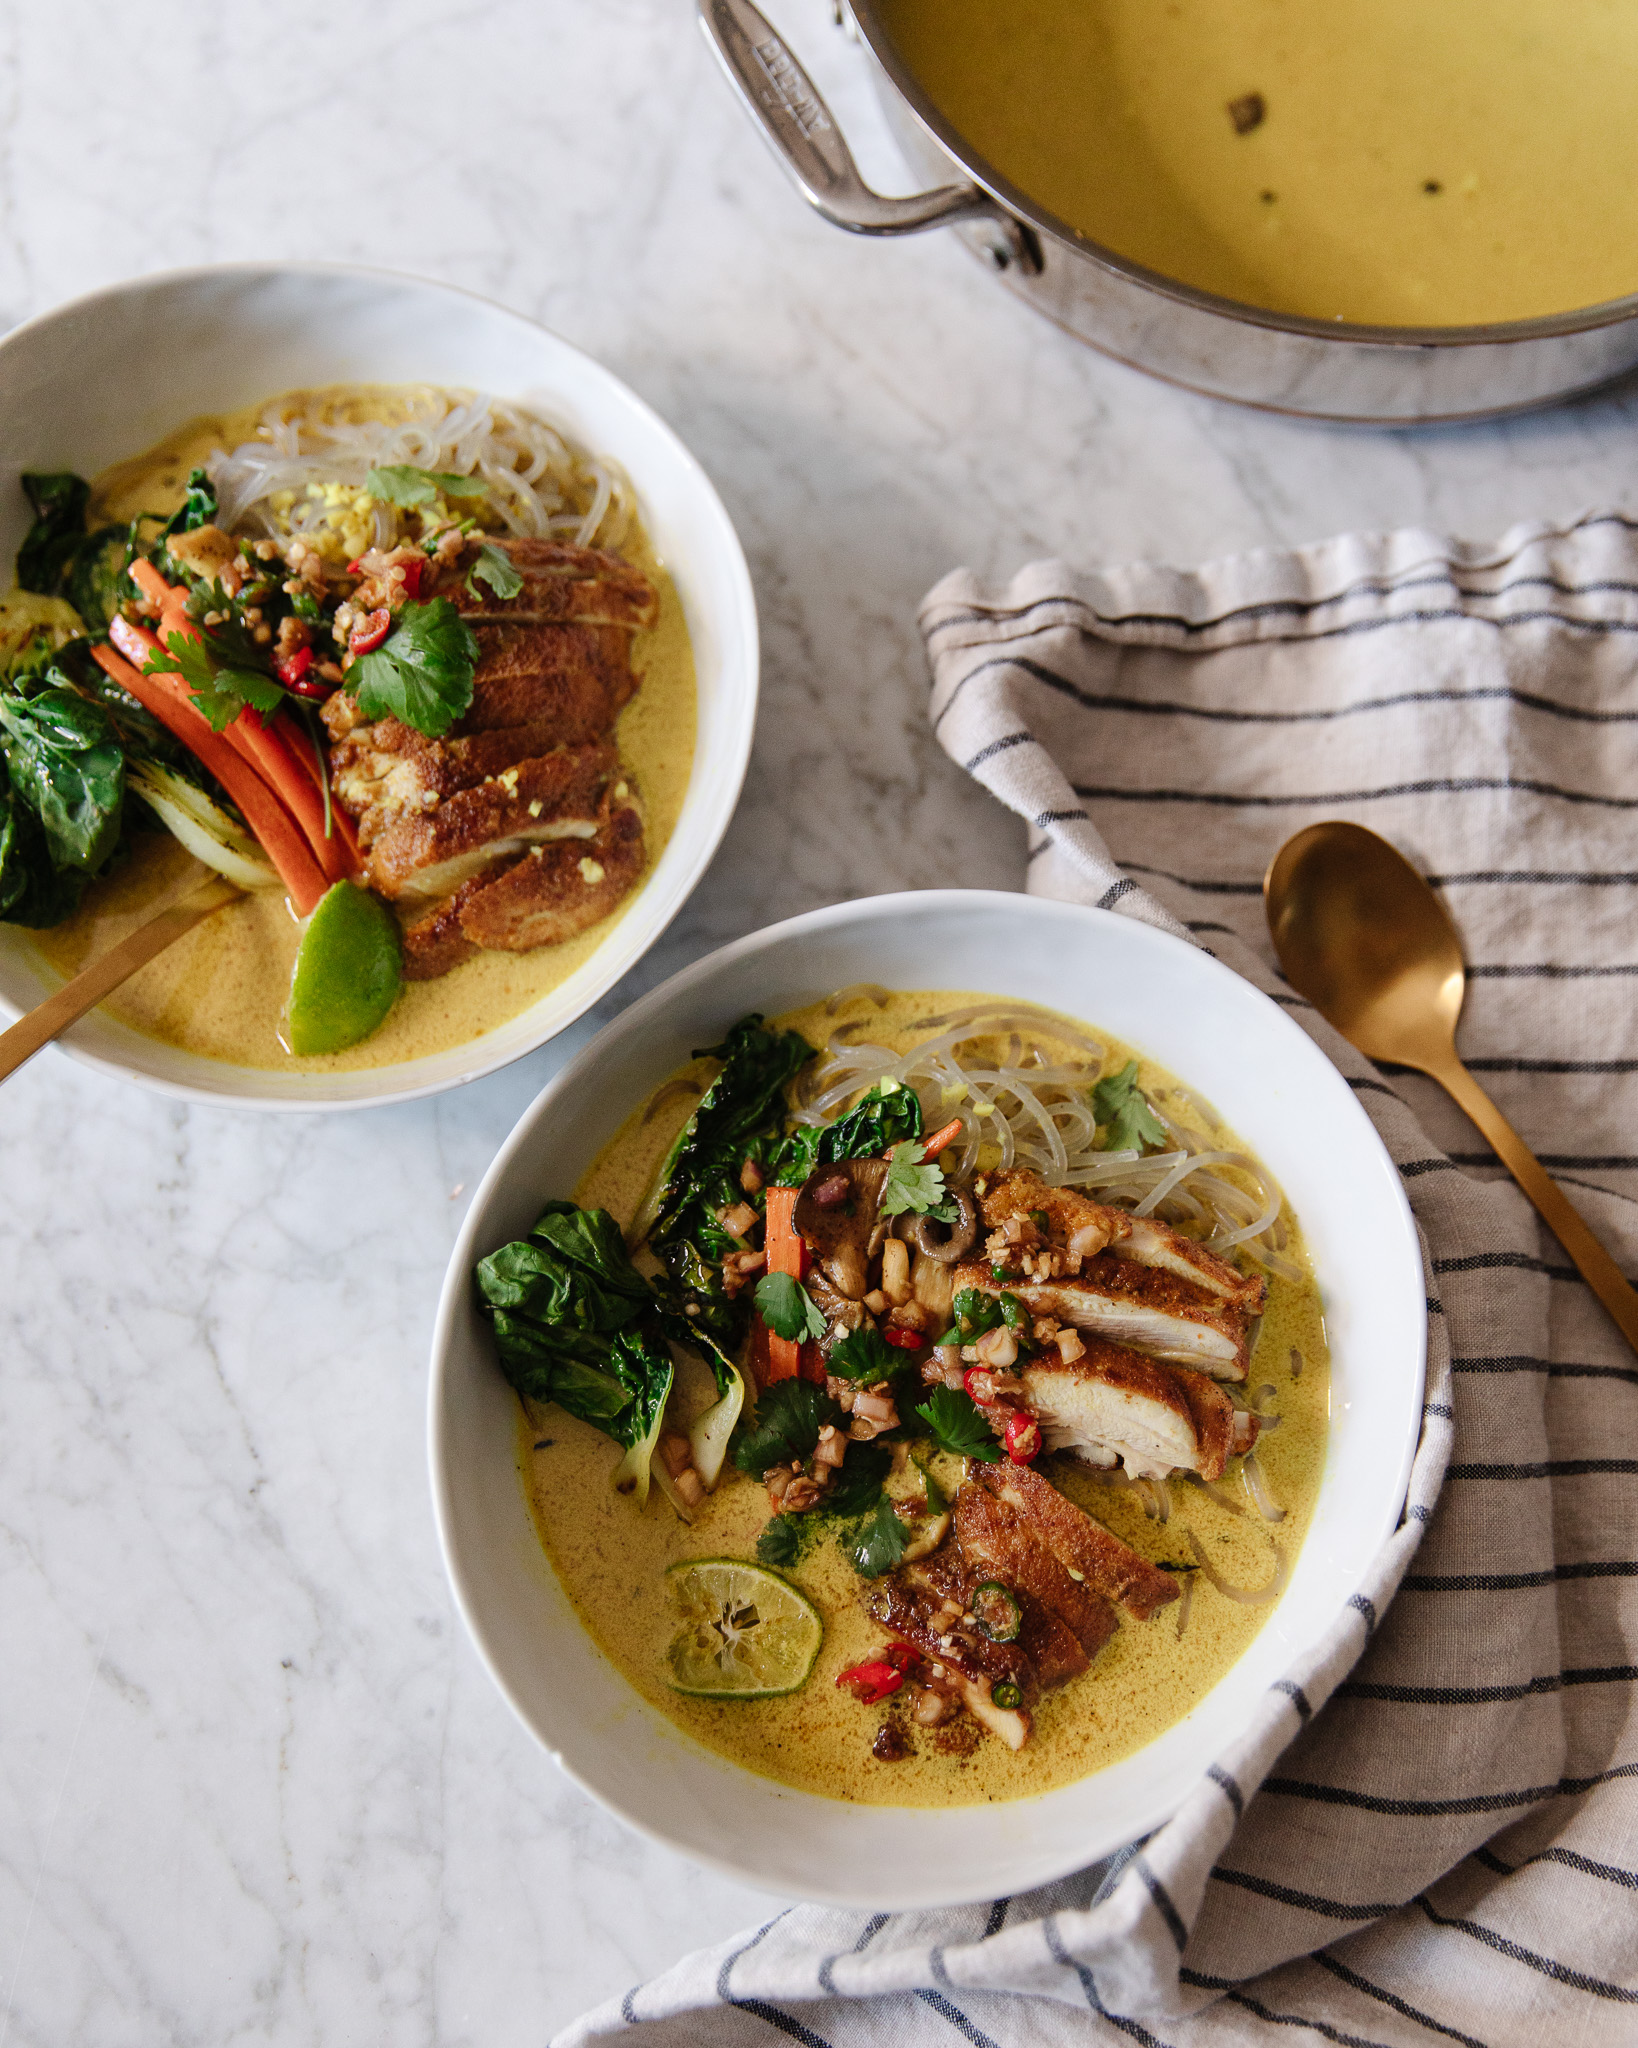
{"x": 1541, "y": 327}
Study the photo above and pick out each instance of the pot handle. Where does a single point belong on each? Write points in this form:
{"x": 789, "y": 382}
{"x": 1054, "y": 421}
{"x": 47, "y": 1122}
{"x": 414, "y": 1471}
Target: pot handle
{"x": 783, "y": 101}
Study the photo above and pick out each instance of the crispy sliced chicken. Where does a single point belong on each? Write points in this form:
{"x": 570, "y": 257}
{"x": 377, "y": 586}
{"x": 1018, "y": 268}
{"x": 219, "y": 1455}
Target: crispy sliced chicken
{"x": 555, "y": 890}
{"x": 558, "y": 795}
{"x": 1065, "y": 1622}
{"x": 1136, "y": 1306}
{"x": 564, "y": 585}
{"x": 925, "y": 1605}
{"x": 518, "y": 828}
{"x": 1083, "y": 1547}
{"x": 1073, "y": 1224}
{"x": 1114, "y": 1406}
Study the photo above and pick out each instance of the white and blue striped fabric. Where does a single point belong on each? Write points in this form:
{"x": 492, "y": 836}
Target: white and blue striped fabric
{"x": 1431, "y": 1835}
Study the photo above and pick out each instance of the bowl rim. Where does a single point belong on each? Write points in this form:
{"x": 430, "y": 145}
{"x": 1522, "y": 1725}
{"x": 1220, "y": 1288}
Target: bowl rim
{"x": 741, "y": 626}
{"x": 465, "y": 1587}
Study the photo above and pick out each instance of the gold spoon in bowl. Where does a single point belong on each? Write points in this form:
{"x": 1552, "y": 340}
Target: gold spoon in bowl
{"x": 206, "y": 894}
{"x": 1363, "y": 937}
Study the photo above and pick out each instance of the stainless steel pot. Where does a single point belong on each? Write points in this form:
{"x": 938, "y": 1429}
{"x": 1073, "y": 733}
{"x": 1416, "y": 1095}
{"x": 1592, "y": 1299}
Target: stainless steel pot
{"x": 1325, "y": 370}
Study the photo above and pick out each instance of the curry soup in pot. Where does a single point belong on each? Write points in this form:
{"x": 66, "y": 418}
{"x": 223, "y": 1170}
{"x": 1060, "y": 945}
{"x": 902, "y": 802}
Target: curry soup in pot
{"x": 1376, "y": 161}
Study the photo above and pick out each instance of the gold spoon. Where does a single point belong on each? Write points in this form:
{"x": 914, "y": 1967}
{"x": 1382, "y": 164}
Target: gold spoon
{"x": 1363, "y": 937}
{"x": 103, "y": 976}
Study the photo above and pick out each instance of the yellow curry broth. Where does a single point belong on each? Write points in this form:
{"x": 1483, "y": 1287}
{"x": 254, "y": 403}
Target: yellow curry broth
{"x": 1409, "y": 165}
{"x": 611, "y": 1558}
{"x": 220, "y": 991}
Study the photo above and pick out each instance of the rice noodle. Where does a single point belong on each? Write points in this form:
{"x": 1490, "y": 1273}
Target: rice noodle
{"x": 864, "y": 991}
{"x": 536, "y": 484}
{"x": 1185, "y": 1602}
{"x": 1031, "y": 1108}
{"x": 1245, "y": 1596}
{"x": 1257, "y": 1486}
{"x": 1215, "y": 1488}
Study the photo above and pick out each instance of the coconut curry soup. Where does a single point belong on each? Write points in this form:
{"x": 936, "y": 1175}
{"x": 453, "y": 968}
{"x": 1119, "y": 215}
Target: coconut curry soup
{"x": 1382, "y": 161}
{"x": 922, "y": 1399}
{"x": 399, "y": 663}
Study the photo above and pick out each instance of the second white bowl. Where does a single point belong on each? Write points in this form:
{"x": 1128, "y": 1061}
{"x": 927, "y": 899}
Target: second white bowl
{"x": 1217, "y": 1033}
{"x": 104, "y": 377}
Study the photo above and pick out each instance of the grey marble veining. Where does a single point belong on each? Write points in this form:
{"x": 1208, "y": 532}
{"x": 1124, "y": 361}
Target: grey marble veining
{"x": 253, "y": 1784}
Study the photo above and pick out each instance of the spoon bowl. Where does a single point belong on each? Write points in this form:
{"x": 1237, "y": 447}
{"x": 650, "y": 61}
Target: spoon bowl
{"x": 1363, "y": 937}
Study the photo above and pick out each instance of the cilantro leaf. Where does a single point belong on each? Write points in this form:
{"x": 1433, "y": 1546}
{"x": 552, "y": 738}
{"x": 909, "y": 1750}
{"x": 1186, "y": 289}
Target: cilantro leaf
{"x": 1119, "y": 1106}
{"x": 857, "y": 1485}
{"x": 913, "y": 1185}
{"x": 780, "y": 1542}
{"x": 787, "y": 1308}
{"x": 497, "y": 570}
{"x": 866, "y": 1356}
{"x": 219, "y": 694}
{"x": 788, "y": 1420}
{"x": 976, "y": 1310}
{"x": 957, "y": 1425}
{"x": 879, "y": 1544}
{"x": 401, "y": 483}
{"x": 422, "y": 673}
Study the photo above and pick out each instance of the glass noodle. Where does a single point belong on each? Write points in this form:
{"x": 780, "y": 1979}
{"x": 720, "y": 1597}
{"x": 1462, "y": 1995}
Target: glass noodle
{"x": 536, "y": 484}
{"x": 1020, "y": 1080}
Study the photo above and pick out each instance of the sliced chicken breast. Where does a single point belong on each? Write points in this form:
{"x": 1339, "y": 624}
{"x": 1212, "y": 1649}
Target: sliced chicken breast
{"x": 1000, "y": 1544}
{"x": 1137, "y": 1306}
{"x": 1077, "y": 1227}
{"x": 1115, "y": 1406}
{"x": 1081, "y": 1545}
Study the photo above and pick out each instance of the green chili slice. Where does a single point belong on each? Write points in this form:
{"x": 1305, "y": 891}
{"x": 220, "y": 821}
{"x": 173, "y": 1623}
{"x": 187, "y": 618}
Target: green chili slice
{"x": 1006, "y": 1694}
{"x": 996, "y": 1610}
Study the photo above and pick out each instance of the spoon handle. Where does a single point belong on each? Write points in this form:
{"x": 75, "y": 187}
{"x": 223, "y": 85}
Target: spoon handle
{"x": 1562, "y": 1218}
{"x": 43, "y": 1023}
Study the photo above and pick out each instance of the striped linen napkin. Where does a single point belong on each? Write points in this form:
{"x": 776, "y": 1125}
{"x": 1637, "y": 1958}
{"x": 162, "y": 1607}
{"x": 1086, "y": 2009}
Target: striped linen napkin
{"x": 1432, "y": 1832}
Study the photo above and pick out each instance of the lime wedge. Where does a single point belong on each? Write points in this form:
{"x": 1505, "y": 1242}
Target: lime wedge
{"x": 349, "y": 968}
{"x": 746, "y": 1633}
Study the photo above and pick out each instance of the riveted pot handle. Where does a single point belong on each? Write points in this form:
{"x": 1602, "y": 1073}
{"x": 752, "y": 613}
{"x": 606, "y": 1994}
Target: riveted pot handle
{"x": 797, "y": 123}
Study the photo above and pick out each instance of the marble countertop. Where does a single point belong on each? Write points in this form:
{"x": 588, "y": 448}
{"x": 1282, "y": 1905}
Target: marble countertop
{"x": 255, "y": 1786}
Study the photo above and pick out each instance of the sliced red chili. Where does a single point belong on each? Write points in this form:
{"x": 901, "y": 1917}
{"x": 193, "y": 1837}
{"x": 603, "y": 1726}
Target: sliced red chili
{"x": 906, "y": 1340}
{"x": 370, "y": 631}
{"x": 901, "y": 1657}
{"x": 314, "y": 687}
{"x": 415, "y": 575}
{"x": 1023, "y": 1439}
{"x": 292, "y": 669}
{"x": 871, "y": 1682}
{"x": 976, "y": 1379}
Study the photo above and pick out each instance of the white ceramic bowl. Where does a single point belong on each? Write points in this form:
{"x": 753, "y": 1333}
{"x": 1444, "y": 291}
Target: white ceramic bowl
{"x": 106, "y": 376}
{"x": 1190, "y": 1013}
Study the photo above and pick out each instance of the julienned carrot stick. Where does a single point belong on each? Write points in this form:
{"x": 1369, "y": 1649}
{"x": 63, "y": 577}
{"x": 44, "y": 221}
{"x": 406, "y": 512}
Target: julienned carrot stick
{"x": 786, "y": 1254}
{"x": 266, "y": 746}
{"x": 149, "y": 581}
{"x": 166, "y": 697}
{"x": 262, "y": 747}
{"x": 940, "y": 1138}
{"x": 301, "y": 744}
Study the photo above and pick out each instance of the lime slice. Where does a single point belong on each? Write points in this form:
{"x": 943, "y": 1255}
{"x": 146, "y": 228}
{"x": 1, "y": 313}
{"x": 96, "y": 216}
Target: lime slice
{"x": 747, "y": 1634}
{"x": 349, "y": 968}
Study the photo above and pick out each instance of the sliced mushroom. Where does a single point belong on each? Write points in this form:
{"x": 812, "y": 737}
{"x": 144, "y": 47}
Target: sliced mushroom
{"x": 839, "y": 1220}
{"x": 946, "y": 1242}
{"x": 838, "y": 1309}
